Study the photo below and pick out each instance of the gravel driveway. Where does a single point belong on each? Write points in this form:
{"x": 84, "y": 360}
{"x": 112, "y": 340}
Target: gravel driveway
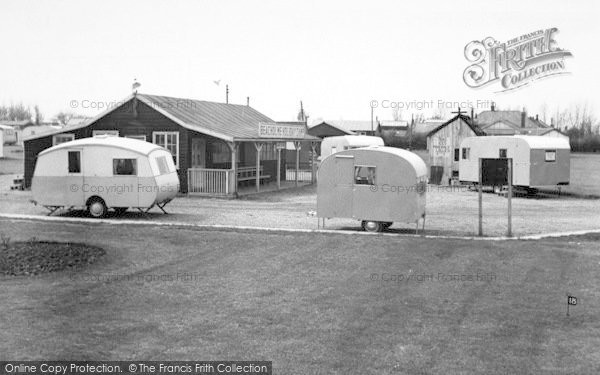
{"x": 449, "y": 212}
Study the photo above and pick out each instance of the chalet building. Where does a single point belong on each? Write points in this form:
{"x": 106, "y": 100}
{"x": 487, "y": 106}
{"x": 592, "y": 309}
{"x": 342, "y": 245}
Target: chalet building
{"x": 349, "y": 127}
{"x": 215, "y": 146}
{"x": 326, "y": 129}
{"x": 390, "y": 129}
{"x": 443, "y": 145}
{"x": 494, "y": 122}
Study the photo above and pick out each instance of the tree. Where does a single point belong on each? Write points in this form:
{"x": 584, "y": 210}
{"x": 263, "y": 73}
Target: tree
{"x": 15, "y": 112}
{"x": 39, "y": 118}
{"x": 64, "y": 117}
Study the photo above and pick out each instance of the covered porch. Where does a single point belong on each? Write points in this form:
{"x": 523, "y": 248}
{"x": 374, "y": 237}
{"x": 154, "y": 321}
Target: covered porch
{"x": 222, "y": 168}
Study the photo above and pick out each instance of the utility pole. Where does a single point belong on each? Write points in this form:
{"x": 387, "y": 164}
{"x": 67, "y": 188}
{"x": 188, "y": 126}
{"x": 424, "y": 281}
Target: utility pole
{"x": 227, "y": 94}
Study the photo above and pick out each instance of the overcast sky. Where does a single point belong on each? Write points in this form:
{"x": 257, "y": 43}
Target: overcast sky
{"x": 335, "y": 56}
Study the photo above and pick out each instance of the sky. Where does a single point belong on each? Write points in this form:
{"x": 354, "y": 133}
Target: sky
{"x": 335, "y": 56}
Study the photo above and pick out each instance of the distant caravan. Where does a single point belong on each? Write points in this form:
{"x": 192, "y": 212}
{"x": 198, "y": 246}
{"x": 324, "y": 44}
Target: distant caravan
{"x": 538, "y": 161}
{"x": 331, "y": 145}
{"x": 103, "y": 173}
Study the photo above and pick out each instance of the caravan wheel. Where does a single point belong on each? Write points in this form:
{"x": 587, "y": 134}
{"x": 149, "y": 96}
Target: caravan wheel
{"x": 97, "y": 208}
{"x": 372, "y": 226}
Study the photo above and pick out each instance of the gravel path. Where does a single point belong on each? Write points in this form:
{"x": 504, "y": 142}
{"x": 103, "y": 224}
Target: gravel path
{"x": 448, "y": 212}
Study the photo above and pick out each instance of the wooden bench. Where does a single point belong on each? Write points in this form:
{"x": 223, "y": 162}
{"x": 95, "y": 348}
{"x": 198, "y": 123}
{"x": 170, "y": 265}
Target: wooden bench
{"x": 245, "y": 174}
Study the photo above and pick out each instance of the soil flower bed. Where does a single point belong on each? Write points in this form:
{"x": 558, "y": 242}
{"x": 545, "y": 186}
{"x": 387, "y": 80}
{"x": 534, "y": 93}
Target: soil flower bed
{"x": 35, "y": 257}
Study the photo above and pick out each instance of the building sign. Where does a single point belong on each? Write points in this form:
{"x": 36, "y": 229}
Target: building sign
{"x": 275, "y": 130}
{"x": 516, "y": 62}
{"x": 441, "y": 145}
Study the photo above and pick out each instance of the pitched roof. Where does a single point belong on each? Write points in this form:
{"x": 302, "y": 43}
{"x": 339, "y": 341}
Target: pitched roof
{"x": 18, "y": 123}
{"x": 513, "y": 117}
{"x": 393, "y": 125}
{"x": 349, "y": 132}
{"x": 221, "y": 120}
{"x": 426, "y": 126}
{"x": 353, "y": 125}
{"x": 465, "y": 119}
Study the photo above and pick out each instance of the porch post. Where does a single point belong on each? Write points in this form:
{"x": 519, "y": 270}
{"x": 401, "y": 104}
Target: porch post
{"x": 278, "y": 168}
{"x": 297, "y": 146}
{"x": 258, "y": 147}
{"x": 313, "y": 147}
{"x": 233, "y": 147}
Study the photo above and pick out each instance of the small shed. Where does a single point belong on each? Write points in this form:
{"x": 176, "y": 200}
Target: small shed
{"x": 443, "y": 144}
{"x": 377, "y": 185}
{"x": 538, "y": 161}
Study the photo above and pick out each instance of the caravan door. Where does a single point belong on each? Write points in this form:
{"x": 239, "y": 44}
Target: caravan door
{"x": 73, "y": 188}
{"x": 344, "y": 186}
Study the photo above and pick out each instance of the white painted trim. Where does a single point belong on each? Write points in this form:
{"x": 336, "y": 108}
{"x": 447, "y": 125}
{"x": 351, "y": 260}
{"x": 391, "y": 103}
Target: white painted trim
{"x": 80, "y": 220}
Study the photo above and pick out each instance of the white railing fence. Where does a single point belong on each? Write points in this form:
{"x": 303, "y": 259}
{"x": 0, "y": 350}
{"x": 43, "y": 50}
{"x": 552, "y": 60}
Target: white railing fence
{"x": 210, "y": 181}
{"x": 304, "y": 175}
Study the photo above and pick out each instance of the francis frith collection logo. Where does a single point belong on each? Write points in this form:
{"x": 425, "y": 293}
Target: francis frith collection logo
{"x": 515, "y": 63}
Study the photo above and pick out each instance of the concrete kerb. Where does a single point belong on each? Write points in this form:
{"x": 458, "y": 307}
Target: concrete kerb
{"x": 234, "y": 228}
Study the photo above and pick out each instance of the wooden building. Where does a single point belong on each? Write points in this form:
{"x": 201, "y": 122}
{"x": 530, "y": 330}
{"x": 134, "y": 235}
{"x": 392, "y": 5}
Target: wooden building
{"x": 215, "y": 146}
{"x": 443, "y": 145}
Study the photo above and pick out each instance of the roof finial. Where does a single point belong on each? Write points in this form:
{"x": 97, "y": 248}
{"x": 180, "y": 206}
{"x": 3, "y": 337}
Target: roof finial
{"x": 135, "y": 86}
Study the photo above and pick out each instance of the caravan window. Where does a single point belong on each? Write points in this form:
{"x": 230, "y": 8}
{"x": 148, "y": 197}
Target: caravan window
{"x": 465, "y": 153}
{"x": 170, "y": 141}
{"x": 163, "y": 167}
{"x": 502, "y": 153}
{"x": 550, "y": 155}
{"x": 74, "y": 162}
{"x": 124, "y": 167}
{"x": 364, "y": 175}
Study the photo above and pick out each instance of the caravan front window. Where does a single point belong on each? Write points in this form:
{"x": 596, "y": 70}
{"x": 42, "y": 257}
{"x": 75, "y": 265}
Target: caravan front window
{"x": 74, "y": 162}
{"x": 124, "y": 167}
{"x": 163, "y": 167}
{"x": 170, "y": 141}
{"x": 364, "y": 175}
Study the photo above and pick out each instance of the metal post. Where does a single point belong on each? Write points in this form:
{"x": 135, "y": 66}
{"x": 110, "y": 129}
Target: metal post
{"x": 297, "y": 146}
{"x": 510, "y": 167}
{"x": 258, "y": 147}
{"x": 480, "y": 190}
{"x": 278, "y": 168}
{"x": 312, "y": 162}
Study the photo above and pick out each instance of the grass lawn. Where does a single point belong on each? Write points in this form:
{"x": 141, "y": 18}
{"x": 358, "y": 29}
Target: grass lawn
{"x": 313, "y": 304}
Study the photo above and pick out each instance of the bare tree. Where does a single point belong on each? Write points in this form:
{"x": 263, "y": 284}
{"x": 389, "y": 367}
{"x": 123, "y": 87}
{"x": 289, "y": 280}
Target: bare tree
{"x": 39, "y": 117}
{"x": 64, "y": 117}
{"x": 396, "y": 114}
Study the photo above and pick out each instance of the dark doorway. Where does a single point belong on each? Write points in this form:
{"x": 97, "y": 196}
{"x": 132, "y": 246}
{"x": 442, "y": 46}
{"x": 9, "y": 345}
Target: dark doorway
{"x": 435, "y": 175}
